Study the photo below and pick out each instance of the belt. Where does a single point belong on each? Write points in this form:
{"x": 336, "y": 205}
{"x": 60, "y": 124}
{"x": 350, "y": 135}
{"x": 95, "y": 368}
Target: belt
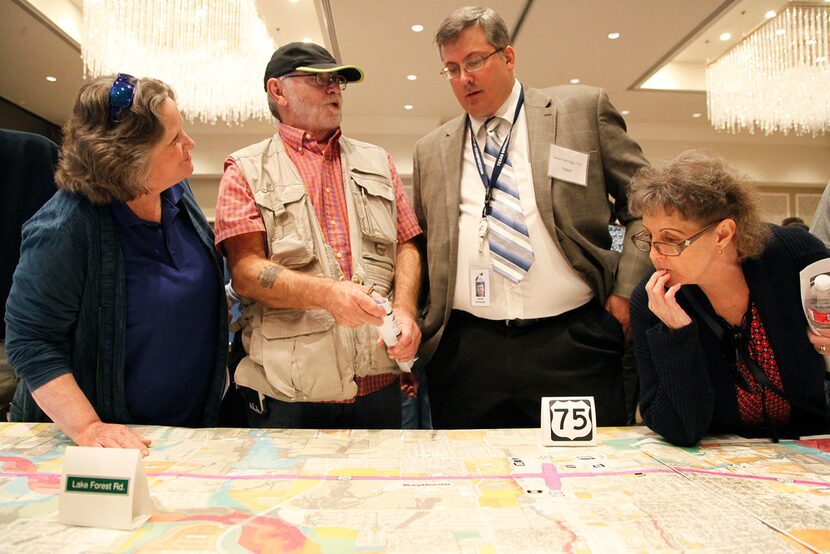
{"x": 524, "y": 322}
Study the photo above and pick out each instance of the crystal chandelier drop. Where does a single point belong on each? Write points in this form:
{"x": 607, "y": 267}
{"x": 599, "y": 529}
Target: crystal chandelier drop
{"x": 777, "y": 78}
{"x": 212, "y": 52}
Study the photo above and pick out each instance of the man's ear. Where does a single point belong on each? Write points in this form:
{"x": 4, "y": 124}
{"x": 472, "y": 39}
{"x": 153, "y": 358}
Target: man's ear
{"x": 510, "y": 57}
{"x": 276, "y": 91}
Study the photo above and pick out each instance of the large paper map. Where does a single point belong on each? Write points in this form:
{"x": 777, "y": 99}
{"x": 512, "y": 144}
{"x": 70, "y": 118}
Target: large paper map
{"x": 238, "y": 490}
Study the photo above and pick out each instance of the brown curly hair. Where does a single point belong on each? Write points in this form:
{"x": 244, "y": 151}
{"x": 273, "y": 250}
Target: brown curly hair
{"x": 702, "y": 188}
{"x": 104, "y": 162}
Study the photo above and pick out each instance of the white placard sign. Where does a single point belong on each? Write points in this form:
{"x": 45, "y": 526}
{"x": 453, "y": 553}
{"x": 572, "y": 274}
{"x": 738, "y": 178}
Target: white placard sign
{"x": 104, "y": 487}
{"x": 568, "y": 421}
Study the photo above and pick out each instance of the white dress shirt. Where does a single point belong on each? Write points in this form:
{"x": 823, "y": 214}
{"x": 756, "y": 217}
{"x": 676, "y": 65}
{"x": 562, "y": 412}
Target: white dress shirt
{"x": 551, "y": 286}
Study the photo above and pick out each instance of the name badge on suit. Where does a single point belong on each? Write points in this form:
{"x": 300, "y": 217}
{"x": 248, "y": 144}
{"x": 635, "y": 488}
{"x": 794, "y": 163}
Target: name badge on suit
{"x": 568, "y": 165}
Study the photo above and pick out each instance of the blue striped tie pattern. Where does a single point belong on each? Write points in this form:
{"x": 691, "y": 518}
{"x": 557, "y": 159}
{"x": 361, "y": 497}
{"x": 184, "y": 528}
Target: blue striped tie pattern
{"x": 510, "y": 250}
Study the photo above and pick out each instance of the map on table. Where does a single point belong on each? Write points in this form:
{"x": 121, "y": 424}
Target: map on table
{"x": 240, "y": 490}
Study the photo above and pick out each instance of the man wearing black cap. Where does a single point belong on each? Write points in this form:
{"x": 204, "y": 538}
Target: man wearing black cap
{"x": 316, "y": 227}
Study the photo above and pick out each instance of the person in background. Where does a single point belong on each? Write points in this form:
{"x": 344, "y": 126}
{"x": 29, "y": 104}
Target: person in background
{"x": 117, "y": 312}
{"x": 720, "y": 336}
{"x": 26, "y": 183}
{"x": 794, "y": 221}
{"x": 526, "y": 297}
{"x": 820, "y": 226}
{"x": 316, "y": 226}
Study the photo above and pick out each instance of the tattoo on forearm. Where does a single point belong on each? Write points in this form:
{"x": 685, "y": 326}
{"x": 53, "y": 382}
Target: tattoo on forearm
{"x": 268, "y": 275}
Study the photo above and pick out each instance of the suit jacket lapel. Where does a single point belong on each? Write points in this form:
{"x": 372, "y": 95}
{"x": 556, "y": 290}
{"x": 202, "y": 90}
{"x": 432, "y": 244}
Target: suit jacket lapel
{"x": 452, "y": 156}
{"x": 541, "y": 133}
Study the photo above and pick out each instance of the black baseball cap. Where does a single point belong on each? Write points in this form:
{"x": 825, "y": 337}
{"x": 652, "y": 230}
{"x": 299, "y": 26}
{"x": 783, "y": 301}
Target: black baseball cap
{"x": 306, "y": 56}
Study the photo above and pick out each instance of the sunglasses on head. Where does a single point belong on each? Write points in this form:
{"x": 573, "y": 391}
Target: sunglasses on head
{"x": 122, "y": 93}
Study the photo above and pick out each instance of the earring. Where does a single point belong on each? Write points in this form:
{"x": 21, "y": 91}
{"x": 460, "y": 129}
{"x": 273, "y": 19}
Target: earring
{"x": 720, "y": 250}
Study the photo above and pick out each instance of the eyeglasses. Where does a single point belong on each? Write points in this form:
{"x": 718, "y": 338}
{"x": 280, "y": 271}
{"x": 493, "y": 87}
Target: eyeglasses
{"x": 121, "y": 97}
{"x": 324, "y": 80}
{"x": 643, "y": 242}
{"x": 452, "y": 71}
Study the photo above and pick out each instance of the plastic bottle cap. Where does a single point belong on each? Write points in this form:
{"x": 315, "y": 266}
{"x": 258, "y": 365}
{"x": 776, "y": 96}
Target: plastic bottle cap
{"x": 822, "y": 282}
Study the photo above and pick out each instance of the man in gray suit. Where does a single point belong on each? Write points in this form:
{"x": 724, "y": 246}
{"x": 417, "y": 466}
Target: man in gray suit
{"x": 526, "y": 298}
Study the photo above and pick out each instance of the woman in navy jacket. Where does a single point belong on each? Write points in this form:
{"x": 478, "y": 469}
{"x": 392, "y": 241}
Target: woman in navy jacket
{"x": 117, "y": 312}
{"x": 720, "y": 336}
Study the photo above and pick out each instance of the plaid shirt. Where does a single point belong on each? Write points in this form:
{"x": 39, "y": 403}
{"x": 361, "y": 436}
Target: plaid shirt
{"x": 322, "y": 173}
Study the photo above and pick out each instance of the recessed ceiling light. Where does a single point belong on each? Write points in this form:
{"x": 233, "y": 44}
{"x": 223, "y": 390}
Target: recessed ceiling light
{"x": 417, "y": 28}
{"x": 408, "y": 106}
{"x": 725, "y": 36}
{"x": 411, "y": 77}
{"x": 696, "y": 115}
{"x": 770, "y": 14}
{"x": 780, "y": 32}
{"x": 613, "y": 36}
{"x": 821, "y": 59}
{"x": 306, "y": 40}
{"x": 810, "y": 42}
{"x": 625, "y": 112}
{"x": 51, "y": 79}
{"x": 574, "y": 81}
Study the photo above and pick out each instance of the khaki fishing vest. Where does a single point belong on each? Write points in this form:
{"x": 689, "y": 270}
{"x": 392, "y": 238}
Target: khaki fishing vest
{"x": 303, "y": 355}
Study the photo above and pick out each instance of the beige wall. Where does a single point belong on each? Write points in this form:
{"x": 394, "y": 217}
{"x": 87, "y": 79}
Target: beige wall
{"x": 790, "y": 177}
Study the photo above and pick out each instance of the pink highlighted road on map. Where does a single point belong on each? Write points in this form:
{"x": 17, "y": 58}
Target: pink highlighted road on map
{"x": 552, "y": 477}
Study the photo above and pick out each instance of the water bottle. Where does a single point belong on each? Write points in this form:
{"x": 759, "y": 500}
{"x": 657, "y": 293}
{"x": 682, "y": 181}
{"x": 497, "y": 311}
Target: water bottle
{"x": 390, "y": 331}
{"x": 819, "y": 303}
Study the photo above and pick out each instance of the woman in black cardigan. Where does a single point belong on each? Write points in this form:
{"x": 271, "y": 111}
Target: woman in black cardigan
{"x": 720, "y": 336}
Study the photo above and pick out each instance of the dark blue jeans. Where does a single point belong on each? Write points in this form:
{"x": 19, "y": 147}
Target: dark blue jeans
{"x": 415, "y": 412}
{"x": 379, "y": 410}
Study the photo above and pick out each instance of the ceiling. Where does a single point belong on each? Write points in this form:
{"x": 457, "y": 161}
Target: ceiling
{"x": 560, "y": 40}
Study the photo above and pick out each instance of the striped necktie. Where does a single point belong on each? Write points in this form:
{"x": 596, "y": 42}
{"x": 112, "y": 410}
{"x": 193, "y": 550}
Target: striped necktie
{"x": 507, "y": 235}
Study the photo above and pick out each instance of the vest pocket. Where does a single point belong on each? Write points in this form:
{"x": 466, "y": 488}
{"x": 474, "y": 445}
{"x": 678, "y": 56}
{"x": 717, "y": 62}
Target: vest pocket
{"x": 285, "y": 213}
{"x": 375, "y": 206}
{"x": 379, "y": 271}
{"x": 299, "y": 354}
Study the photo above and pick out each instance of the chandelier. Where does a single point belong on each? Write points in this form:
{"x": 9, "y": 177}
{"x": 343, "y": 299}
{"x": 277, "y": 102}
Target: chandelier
{"x": 212, "y": 52}
{"x": 777, "y": 78}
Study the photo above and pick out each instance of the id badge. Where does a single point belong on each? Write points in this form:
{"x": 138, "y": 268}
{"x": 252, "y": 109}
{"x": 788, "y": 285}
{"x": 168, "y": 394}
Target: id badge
{"x": 568, "y": 165}
{"x": 480, "y": 282}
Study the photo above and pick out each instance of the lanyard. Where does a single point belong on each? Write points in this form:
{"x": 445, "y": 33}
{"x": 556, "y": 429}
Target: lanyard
{"x": 762, "y": 382}
{"x": 501, "y": 158}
